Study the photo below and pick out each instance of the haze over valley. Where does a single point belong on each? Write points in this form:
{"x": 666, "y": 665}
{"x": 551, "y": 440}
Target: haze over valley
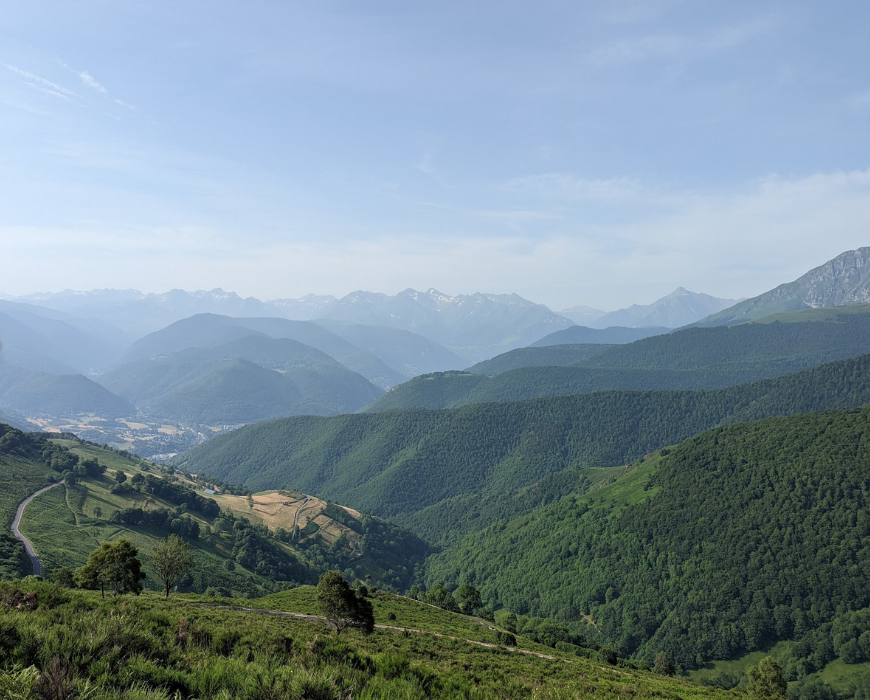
{"x": 449, "y": 351}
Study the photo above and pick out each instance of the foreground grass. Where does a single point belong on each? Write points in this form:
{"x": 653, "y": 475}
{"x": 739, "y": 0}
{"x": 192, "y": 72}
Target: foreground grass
{"x": 148, "y": 647}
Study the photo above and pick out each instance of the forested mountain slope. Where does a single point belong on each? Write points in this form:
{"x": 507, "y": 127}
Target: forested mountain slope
{"x": 699, "y": 358}
{"x": 797, "y": 341}
{"x": 739, "y": 536}
{"x": 252, "y": 378}
{"x": 211, "y": 330}
{"x": 39, "y": 393}
{"x": 583, "y": 335}
{"x": 546, "y": 356}
{"x": 396, "y": 463}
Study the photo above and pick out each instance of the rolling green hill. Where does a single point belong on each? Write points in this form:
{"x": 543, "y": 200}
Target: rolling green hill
{"x": 770, "y": 349}
{"x": 193, "y": 646}
{"x": 545, "y": 356}
{"x": 211, "y": 330}
{"x": 397, "y": 463}
{"x": 236, "y": 549}
{"x": 456, "y": 389}
{"x": 40, "y": 394}
{"x": 248, "y": 379}
{"x": 23, "y": 470}
{"x": 436, "y": 390}
{"x": 741, "y": 536}
{"x": 697, "y": 358}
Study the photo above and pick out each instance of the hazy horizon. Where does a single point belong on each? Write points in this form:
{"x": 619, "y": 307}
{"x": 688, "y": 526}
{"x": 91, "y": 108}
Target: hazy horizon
{"x": 570, "y": 153}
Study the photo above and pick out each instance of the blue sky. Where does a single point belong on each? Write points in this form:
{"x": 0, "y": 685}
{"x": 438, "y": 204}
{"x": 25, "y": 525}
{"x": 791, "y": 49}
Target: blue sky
{"x": 572, "y": 152}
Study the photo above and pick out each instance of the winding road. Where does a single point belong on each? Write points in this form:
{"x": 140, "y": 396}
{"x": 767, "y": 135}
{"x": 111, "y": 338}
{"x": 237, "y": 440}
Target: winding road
{"x": 31, "y": 552}
{"x": 299, "y": 510}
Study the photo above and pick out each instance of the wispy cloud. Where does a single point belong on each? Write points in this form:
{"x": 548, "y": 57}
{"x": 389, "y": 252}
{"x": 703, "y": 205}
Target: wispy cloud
{"x": 41, "y": 83}
{"x": 89, "y": 80}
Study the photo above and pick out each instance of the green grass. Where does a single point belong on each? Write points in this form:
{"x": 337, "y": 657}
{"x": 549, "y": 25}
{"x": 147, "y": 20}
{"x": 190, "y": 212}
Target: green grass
{"x": 738, "y": 666}
{"x": 110, "y": 458}
{"x": 625, "y": 486}
{"x": 52, "y": 528}
{"x": 837, "y": 673}
{"x": 842, "y": 675}
{"x": 63, "y": 527}
{"x": 19, "y": 478}
{"x": 245, "y": 652}
{"x": 410, "y": 614}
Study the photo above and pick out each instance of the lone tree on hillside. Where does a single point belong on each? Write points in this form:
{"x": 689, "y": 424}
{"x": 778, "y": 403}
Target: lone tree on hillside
{"x": 766, "y": 681}
{"x": 341, "y": 606}
{"x": 468, "y": 599}
{"x": 172, "y": 559}
{"x": 663, "y": 664}
{"x": 113, "y": 564}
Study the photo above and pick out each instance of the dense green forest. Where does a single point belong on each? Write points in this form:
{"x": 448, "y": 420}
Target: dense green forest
{"x": 741, "y": 536}
{"x": 456, "y": 389}
{"x": 696, "y": 358}
{"x": 396, "y": 463}
{"x": 793, "y": 342}
{"x": 547, "y": 356}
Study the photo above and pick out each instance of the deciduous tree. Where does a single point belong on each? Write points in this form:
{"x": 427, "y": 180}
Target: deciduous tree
{"x": 766, "y": 680}
{"x": 341, "y": 606}
{"x": 113, "y": 564}
{"x": 172, "y": 559}
{"x": 468, "y": 599}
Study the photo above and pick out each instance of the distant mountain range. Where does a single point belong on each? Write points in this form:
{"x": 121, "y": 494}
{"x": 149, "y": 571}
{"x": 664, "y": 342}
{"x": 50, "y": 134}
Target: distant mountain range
{"x": 474, "y": 327}
{"x": 843, "y": 281}
{"x": 582, "y": 315}
{"x": 679, "y": 308}
{"x": 152, "y": 353}
{"x": 688, "y": 359}
{"x": 468, "y": 328}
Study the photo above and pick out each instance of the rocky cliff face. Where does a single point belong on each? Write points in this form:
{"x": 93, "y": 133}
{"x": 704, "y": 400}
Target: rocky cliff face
{"x": 843, "y": 281}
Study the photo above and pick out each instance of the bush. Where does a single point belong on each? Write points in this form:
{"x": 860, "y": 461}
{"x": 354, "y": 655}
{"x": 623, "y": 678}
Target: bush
{"x": 608, "y": 655}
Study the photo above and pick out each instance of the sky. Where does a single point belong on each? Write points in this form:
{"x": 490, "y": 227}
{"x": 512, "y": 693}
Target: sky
{"x": 576, "y": 153}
